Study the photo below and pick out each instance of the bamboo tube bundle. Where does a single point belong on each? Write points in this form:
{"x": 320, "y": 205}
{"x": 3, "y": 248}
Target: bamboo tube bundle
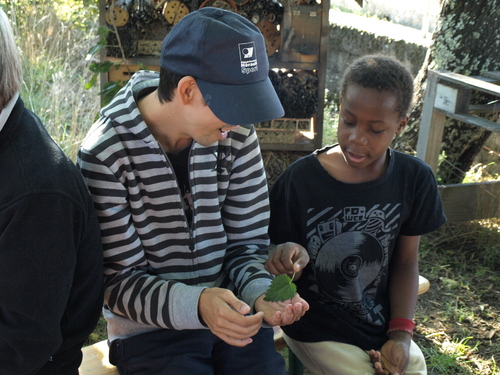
{"x": 275, "y": 162}
{"x": 298, "y": 92}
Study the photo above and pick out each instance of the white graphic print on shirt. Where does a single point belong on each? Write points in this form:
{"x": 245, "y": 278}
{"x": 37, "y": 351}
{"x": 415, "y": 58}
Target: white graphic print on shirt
{"x": 349, "y": 250}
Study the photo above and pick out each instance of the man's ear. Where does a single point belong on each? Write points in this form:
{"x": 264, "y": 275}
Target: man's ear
{"x": 187, "y": 89}
{"x": 402, "y": 124}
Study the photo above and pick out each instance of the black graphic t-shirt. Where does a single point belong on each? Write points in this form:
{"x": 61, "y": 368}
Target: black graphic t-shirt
{"x": 349, "y": 231}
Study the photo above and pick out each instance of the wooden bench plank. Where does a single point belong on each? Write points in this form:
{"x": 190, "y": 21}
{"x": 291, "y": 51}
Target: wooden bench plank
{"x": 95, "y": 360}
{"x": 423, "y": 285}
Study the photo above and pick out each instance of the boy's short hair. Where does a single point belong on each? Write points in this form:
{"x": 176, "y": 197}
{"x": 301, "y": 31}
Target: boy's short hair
{"x": 168, "y": 83}
{"x": 10, "y": 66}
{"x": 381, "y": 73}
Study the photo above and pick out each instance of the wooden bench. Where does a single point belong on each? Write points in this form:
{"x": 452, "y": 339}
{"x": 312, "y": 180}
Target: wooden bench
{"x": 95, "y": 360}
{"x": 95, "y": 357}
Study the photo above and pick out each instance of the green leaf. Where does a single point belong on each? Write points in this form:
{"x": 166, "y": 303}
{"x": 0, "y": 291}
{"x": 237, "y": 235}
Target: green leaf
{"x": 282, "y": 288}
{"x": 103, "y": 67}
{"x": 96, "y": 48}
{"x": 103, "y": 32}
{"x": 109, "y": 91}
{"x": 142, "y": 66}
{"x": 92, "y": 82}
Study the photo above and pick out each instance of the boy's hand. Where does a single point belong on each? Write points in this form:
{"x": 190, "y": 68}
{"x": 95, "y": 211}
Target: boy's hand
{"x": 394, "y": 356}
{"x": 376, "y": 359}
{"x": 226, "y": 317}
{"x": 282, "y": 313}
{"x": 287, "y": 258}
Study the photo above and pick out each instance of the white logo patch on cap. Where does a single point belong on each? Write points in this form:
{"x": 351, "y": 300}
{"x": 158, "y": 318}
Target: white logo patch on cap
{"x": 248, "y": 58}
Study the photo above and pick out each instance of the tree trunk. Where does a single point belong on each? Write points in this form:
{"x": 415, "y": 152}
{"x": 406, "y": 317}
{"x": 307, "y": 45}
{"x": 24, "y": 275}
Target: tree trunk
{"x": 466, "y": 41}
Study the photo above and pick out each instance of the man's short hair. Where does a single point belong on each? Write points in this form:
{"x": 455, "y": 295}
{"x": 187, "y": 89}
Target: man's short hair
{"x": 11, "y": 76}
{"x": 381, "y": 73}
{"x": 168, "y": 83}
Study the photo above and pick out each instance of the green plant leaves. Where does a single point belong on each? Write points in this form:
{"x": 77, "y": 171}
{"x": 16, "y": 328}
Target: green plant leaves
{"x": 281, "y": 289}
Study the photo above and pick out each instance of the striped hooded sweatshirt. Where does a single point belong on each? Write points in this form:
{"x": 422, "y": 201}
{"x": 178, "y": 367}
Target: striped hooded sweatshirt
{"x": 156, "y": 263}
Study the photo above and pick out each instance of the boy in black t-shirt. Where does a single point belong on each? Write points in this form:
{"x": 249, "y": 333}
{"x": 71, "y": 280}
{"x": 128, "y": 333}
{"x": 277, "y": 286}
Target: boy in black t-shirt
{"x": 357, "y": 209}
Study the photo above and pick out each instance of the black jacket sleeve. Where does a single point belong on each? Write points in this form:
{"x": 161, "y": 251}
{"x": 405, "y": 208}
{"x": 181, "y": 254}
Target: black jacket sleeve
{"x": 48, "y": 297}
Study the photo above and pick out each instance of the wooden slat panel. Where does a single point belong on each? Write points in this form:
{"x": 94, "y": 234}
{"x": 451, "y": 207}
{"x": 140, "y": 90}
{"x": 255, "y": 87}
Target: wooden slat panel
{"x": 471, "y": 82}
{"x": 474, "y": 120}
{"x": 466, "y": 202}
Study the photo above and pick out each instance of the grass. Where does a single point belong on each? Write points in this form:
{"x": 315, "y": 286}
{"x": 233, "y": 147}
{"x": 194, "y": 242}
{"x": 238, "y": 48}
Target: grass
{"x": 458, "y": 319}
{"x": 443, "y": 361}
{"x": 53, "y": 38}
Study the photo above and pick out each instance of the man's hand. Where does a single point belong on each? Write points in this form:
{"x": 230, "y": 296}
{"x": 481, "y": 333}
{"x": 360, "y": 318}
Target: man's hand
{"x": 225, "y": 314}
{"x": 282, "y": 313}
{"x": 287, "y": 258}
{"x": 394, "y": 356}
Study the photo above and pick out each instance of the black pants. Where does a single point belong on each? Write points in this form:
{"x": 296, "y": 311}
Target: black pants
{"x": 65, "y": 362}
{"x": 195, "y": 352}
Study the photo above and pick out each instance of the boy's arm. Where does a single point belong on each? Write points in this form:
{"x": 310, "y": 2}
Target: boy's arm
{"x": 403, "y": 292}
{"x": 403, "y": 278}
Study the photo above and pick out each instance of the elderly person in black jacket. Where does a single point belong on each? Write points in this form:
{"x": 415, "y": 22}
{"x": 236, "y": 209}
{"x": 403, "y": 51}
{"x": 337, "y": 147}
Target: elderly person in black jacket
{"x": 50, "y": 245}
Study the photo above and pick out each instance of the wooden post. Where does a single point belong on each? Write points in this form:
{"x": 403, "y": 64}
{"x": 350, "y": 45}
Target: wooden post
{"x": 431, "y": 126}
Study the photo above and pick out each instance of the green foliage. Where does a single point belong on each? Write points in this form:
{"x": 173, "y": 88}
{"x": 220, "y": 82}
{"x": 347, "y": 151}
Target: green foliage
{"x": 451, "y": 358}
{"x": 110, "y": 88}
{"x": 102, "y": 32}
{"x": 53, "y": 38}
{"x": 281, "y": 289}
{"x": 330, "y": 122}
{"x": 78, "y": 14}
{"x": 462, "y": 262}
{"x": 479, "y": 173}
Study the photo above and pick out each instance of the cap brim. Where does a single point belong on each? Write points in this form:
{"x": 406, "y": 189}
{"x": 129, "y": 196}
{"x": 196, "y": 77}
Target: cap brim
{"x": 242, "y": 104}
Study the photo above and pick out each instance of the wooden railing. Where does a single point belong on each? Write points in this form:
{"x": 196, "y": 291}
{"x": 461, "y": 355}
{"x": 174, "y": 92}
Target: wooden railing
{"x": 448, "y": 96}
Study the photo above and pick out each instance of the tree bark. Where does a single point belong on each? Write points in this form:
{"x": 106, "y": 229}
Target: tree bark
{"x": 466, "y": 41}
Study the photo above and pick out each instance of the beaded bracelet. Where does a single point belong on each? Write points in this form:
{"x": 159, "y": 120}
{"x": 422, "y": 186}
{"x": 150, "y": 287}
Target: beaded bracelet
{"x": 401, "y": 325}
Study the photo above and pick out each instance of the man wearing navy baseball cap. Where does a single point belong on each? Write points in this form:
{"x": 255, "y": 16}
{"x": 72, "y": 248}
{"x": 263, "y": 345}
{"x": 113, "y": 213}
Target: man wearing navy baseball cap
{"x": 181, "y": 194}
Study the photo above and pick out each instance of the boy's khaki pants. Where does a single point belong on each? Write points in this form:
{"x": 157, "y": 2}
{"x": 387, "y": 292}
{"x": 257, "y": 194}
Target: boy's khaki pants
{"x": 334, "y": 358}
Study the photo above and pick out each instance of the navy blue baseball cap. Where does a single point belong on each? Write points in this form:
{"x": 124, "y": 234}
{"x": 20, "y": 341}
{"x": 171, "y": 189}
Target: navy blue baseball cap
{"x": 226, "y": 54}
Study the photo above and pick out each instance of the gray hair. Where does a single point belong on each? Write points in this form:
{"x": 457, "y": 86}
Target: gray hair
{"x": 11, "y": 75}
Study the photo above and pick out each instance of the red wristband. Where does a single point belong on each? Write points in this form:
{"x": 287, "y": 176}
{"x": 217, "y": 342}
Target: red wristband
{"x": 401, "y": 325}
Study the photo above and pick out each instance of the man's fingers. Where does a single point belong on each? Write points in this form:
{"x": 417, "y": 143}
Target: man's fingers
{"x": 236, "y": 332}
{"x": 235, "y": 342}
{"x": 237, "y": 304}
{"x": 224, "y": 314}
